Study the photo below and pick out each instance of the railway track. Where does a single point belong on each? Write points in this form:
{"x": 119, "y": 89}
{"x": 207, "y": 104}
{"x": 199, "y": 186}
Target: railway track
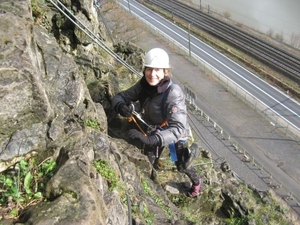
{"x": 282, "y": 60}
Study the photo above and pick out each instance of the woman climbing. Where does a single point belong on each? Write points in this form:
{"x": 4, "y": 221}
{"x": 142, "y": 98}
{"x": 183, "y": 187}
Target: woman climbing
{"x": 163, "y": 107}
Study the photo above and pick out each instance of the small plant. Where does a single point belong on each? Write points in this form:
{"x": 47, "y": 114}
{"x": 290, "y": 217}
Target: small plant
{"x": 156, "y": 199}
{"x": 148, "y": 216}
{"x": 178, "y": 200}
{"x": 238, "y": 221}
{"x": 146, "y": 187}
{"x": 143, "y": 212}
{"x": 107, "y": 172}
{"x": 37, "y": 12}
{"x": 24, "y": 184}
{"x": 93, "y": 123}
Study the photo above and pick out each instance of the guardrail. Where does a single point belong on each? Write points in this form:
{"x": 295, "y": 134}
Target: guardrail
{"x": 279, "y": 188}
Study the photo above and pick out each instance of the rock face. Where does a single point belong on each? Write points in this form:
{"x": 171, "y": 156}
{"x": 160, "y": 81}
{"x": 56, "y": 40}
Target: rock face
{"x": 53, "y": 79}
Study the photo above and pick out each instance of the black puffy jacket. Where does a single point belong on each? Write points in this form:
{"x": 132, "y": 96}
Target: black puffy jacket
{"x": 155, "y": 110}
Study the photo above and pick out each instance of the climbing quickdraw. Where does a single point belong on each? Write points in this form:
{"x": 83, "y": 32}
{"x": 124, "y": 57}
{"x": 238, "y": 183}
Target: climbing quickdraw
{"x": 151, "y": 128}
{"x": 131, "y": 118}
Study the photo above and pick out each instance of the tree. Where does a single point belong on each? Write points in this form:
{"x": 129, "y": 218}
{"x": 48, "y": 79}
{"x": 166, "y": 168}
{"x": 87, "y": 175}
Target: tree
{"x": 227, "y": 14}
{"x": 295, "y": 40}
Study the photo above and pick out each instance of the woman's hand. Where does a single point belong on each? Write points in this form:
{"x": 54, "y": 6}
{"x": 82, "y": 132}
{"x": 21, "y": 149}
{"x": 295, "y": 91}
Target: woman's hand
{"x": 124, "y": 110}
{"x": 147, "y": 140}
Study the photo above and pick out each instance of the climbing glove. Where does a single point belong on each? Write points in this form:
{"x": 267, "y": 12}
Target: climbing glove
{"x": 124, "y": 110}
{"x": 152, "y": 140}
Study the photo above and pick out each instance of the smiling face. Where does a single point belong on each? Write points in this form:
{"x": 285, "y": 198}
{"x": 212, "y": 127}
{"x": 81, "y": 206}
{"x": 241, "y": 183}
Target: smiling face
{"x": 154, "y": 75}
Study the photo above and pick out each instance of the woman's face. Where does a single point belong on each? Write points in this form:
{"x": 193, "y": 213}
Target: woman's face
{"x": 154, "y": 76}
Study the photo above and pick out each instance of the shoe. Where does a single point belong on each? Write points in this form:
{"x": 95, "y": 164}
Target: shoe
{"x": 193, "y": 154}
{"x": 195, "y": 189}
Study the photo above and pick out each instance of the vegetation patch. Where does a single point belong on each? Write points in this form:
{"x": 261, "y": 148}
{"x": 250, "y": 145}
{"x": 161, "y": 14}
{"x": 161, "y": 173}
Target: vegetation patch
{"x": 93, "y": 123}
{"x": 108, "y": 173}
{"x": 38, "y": 11}
{"x": 23, "y": 185}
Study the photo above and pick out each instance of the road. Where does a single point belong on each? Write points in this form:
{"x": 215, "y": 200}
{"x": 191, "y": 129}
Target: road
{"x": 264, "y": 147}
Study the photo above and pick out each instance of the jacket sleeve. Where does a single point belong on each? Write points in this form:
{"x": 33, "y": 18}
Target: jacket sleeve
{"x": 176, "y": 115}
{"x": 127, "y": 96}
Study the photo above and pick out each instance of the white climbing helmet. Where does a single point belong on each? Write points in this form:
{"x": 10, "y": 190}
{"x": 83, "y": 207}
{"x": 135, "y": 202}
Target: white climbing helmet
{"x": 157, "y": 58}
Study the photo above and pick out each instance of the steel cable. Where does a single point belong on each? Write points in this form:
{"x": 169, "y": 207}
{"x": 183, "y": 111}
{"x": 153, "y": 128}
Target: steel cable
{"x": 90, "y": 34}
